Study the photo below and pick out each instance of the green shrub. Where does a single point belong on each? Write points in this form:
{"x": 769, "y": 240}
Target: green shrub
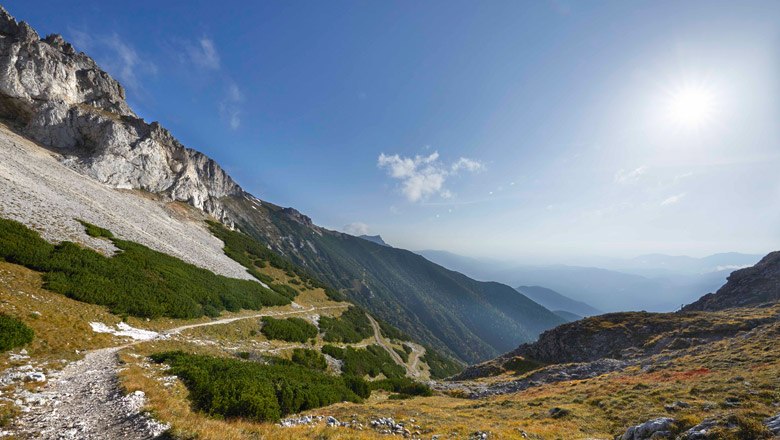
{"x": 358, "y": 385}
{"x": 371, "y": 361}
{"x": 136, "y": 281}
{"x": 352, "y": 326}
{"x": 284, "y": 289}
{"x": 402, "y": 354}
{"x": 96, "y": 231}
{"x": 232, "y": 388}
{"x": 403, "y": 386}
{"x": 13, "y": 333}
{"x": 290, "y": 330}
{"x": 252, "y": 254}
{"x": 309, "y": 359}
{"x": 440, "y": 366}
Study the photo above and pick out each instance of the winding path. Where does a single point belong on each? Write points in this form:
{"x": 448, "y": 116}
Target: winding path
{"x": 84, "y": 400}
{"x": 411, "y": 370}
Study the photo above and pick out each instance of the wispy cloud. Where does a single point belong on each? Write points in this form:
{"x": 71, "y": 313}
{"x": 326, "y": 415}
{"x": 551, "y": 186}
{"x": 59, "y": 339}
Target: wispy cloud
{"x": 116, "y": 56}
{"x": 673, "y": 199}
{"x": 203, "y": 53}
{"x": 424, "y": 176}
{"x": 356, "y": 228}
{"x": 629, "y": 176}
{"x": 229, "y": 107}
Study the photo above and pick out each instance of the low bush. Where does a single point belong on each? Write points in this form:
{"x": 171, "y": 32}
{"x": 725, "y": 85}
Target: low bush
{"x": 371, "y": 361}
{"x": 136, "y": 281}
{"x": 352, "y": 326}
{"x": 252, "y": 254}
{"x": 440, "y": 366}
{"x": 231, "y": 388}
{"x": 96, "y": 231}
{"x": 284, "y": 289}
{"x": 402, "y": 354}
{"x": 13, "y": 333}
{"x": 290, "y": 330}
{"x": 309, "y": 358}
{"x": 403, "y": 386}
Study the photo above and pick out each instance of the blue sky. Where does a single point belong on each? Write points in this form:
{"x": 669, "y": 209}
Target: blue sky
{"x": 530, "y": 130}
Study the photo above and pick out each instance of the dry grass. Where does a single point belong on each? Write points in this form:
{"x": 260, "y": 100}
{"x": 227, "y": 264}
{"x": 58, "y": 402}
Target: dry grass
{"x": 746, "y": 367}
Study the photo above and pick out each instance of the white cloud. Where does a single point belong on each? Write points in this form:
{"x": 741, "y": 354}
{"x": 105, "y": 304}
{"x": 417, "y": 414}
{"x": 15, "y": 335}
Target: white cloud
{"x": 116, "y": 56}
{"x": 630, "y": 176}
{"x": 229, "y": 108}
{"x": 467, "y": 164}
{"x": 204, "y": 54}
{"x": 673, "y": 199}
{"x": 356, "y": 228}
{"x": 424, "y": 176}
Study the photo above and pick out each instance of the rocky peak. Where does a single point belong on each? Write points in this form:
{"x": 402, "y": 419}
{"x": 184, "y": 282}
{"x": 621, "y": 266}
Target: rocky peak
{"x": 752, "y": 286}
{"x": 64, "y": 101}
{"x": 297, "y": 216}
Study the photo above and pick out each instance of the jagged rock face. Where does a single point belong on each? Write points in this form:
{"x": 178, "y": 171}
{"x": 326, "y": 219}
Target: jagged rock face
{"x": 63, "y": 100}
{"x": 752, "y": 286}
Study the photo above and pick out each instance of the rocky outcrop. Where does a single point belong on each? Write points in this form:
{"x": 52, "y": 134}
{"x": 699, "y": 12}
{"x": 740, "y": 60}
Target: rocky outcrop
{"x": 64, "y": 101}
{"x": 752, "y": 286}
{"x": 628, "y": 336}
{"x": 652, "y": 429}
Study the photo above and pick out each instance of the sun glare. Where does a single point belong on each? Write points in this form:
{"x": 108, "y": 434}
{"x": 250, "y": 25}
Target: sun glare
{"x": 691, "y": 106}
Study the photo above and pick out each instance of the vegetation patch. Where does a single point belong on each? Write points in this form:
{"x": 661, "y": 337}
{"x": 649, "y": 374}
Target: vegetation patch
{"x": 371, "y": 361}
{"x": 351, "y": 327}
{"x": 308, "y": 358}
{"x": 232, "y": 388}
{"x": 252, "y": 254}
{"x": 284, "y": 289}
{"x": 440, "y": 365}
{"x": 136, "y": 281}
{"x": 403, "y": 354}
{"x": 403, "y": 386}
{"x": 96, "y": 231}
{"x": 290, "y": 329}
{"x": 13, "y": 333}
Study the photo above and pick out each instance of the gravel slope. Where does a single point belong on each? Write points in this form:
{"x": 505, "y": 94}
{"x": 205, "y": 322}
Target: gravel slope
{"x": 40, "y": 192}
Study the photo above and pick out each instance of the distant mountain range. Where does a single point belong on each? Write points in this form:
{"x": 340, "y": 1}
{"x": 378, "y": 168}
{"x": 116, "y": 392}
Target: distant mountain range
{"x": 557, "y": 302}
{"x": 663, "y": 287}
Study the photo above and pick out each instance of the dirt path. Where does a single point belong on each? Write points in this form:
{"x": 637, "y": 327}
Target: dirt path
{"x": 85, "y": 401}
{"x": 417, "y": 352}
{"x": 178, "y": 330}
{"x": 412, "y": 372}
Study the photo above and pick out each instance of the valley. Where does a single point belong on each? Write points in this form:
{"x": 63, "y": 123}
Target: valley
{"x": 145, "y": 294}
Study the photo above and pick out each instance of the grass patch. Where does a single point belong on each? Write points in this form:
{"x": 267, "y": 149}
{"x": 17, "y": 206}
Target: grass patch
{"x": 136, "y": 281}
{"x": 351, "y": 327}
{"x": 371, "y": 361}
{"x": 13, "y": 333}
{"x": 290, "y": 329}
{"x": 232, "y": 388}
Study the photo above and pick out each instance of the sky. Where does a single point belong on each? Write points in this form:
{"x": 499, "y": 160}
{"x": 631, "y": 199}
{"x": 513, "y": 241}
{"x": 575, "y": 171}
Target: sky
{"x": 532, "y": 131}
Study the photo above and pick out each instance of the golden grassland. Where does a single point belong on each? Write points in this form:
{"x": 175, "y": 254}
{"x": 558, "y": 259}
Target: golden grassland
{"x": 745, "y": 368}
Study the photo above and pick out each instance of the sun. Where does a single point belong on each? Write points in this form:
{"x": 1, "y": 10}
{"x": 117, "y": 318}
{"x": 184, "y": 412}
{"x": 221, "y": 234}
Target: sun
{"x": 691, "y": 106}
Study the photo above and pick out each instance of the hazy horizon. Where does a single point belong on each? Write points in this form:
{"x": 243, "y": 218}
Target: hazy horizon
{"x": 504, "y": 130}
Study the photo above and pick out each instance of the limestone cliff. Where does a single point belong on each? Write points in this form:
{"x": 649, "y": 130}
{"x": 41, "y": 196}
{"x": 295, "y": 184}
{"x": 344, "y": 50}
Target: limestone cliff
{"x": 64, "y": 101}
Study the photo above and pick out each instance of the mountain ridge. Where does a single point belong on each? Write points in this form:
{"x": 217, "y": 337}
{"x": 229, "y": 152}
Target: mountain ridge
{"x": 62, "y": 100}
